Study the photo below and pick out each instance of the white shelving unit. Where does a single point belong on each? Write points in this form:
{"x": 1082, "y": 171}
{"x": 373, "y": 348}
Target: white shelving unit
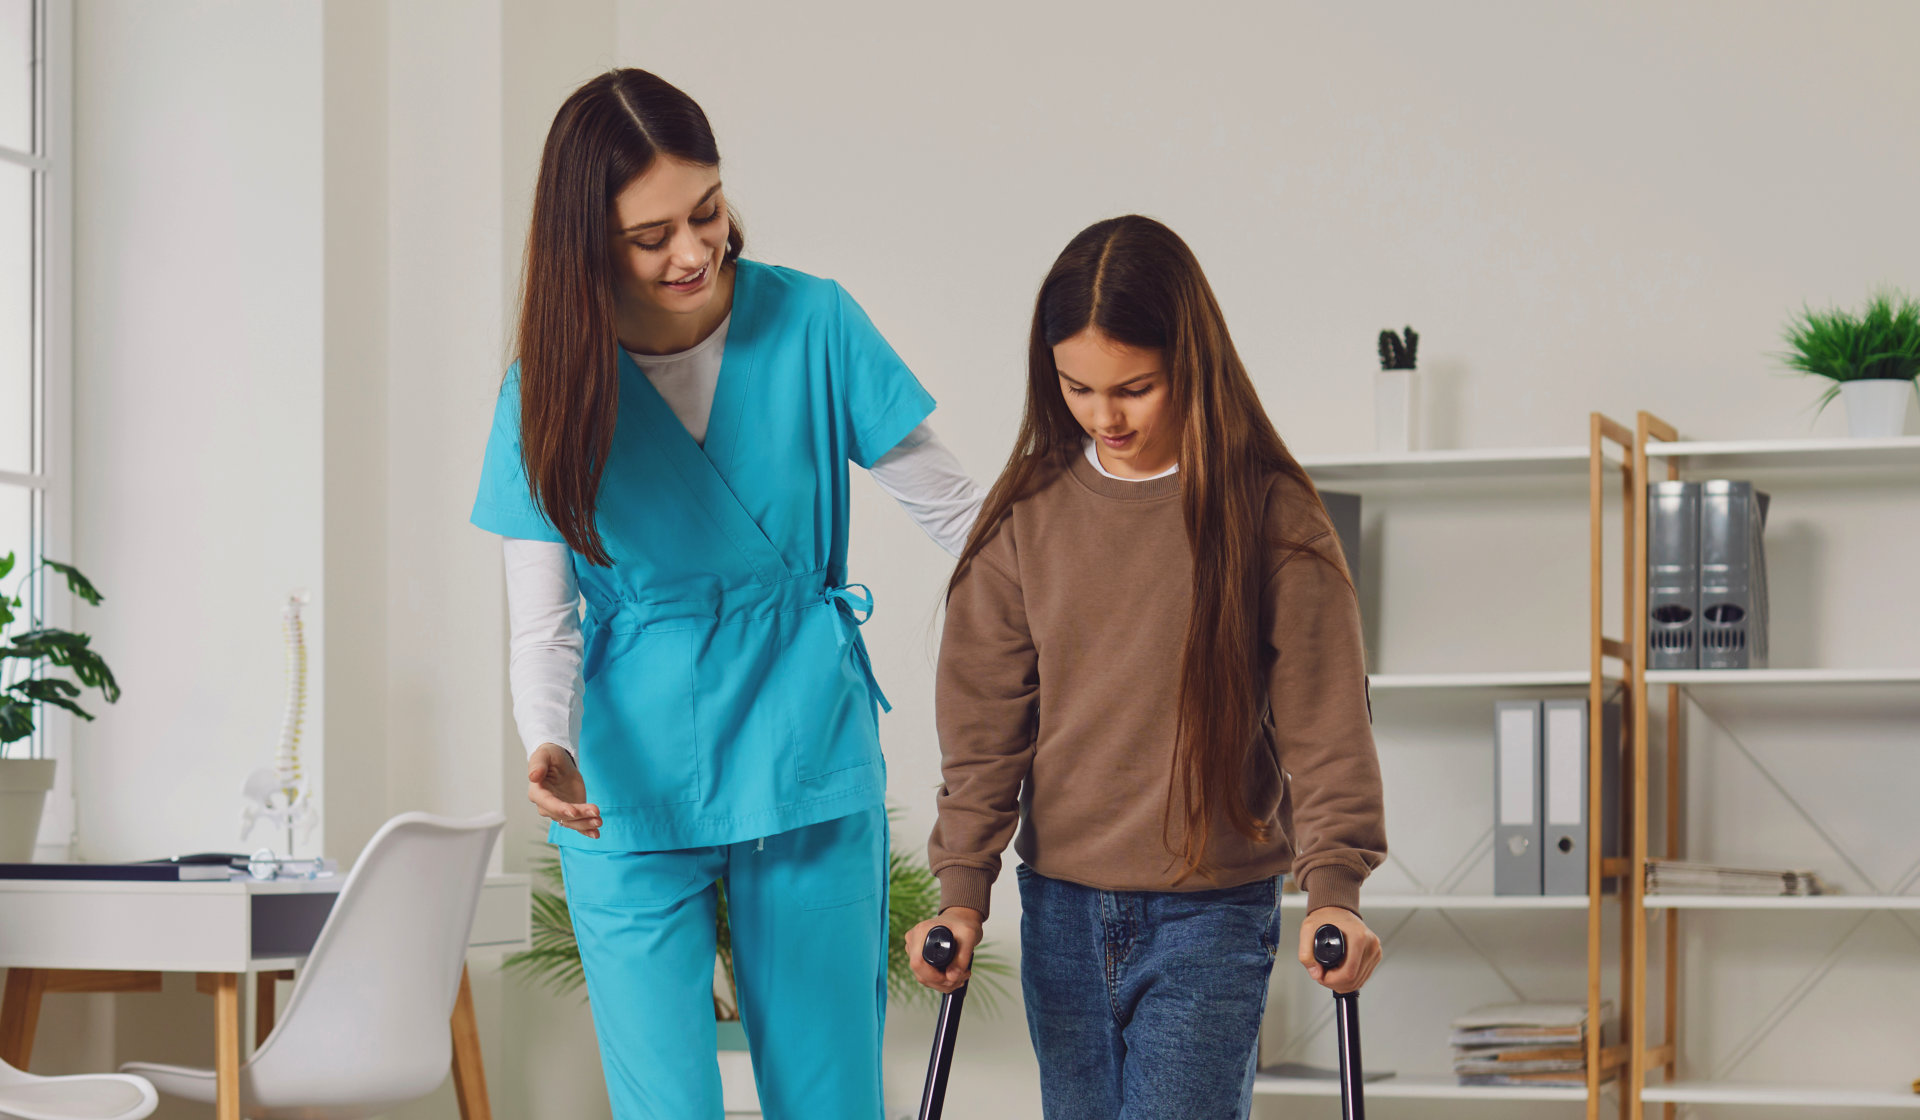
{"x": 1871, "y": 692}
{"x": 1827, "y": 903}
{"x": 1475, "y": 463}
{"x": 1736, "y": 678}
{"x": 1785, "y": 1096}
{"x": 1390, "y": 682}
{"x": 1500, "y": 471}
{"x": 1791, "y": 454}
{"x": 1475, "y": 902}
{"x": 1432, "y": 1087}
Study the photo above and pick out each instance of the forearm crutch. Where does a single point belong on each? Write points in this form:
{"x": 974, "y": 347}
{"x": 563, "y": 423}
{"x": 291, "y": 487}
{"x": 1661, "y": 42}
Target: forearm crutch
{"x": 938, "y": 953}
{"x": 1330, "y": 949}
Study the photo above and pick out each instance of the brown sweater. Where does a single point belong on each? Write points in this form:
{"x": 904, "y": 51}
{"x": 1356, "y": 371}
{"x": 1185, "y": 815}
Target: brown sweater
{"x": 1058, "y": 691}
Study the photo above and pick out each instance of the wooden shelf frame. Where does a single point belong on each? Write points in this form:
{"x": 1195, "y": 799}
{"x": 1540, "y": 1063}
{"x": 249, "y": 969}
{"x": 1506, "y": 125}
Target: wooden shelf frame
{"x": 1647, "y": 428}
{"x": 1630, "y": 651}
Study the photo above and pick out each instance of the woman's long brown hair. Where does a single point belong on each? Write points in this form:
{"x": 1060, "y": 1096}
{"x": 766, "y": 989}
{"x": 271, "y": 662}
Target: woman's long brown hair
{"x": 606, "y": 135}
{"x": 1136, "y": 282}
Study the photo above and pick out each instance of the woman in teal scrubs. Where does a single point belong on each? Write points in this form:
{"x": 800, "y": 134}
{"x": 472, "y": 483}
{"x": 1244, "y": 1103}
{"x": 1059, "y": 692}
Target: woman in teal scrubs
{"x": 727, "y": 730}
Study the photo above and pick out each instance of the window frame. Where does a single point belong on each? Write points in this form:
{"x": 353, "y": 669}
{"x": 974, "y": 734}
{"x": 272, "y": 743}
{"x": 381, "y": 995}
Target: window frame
{"x": 50, "y": 478}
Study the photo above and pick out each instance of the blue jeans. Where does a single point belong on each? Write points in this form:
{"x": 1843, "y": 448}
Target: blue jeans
{"x": 1145, "y": 1005}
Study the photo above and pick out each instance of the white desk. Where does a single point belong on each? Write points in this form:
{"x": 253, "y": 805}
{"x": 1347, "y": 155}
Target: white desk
{"x": 78, "y": 936}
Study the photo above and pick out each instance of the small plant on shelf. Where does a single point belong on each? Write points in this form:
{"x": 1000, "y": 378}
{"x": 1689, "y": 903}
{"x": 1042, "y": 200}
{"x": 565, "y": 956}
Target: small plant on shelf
{"x": 1394, "y": 408}
{"x": 1881, "y": 344}
{"x": 1398, "y": 351}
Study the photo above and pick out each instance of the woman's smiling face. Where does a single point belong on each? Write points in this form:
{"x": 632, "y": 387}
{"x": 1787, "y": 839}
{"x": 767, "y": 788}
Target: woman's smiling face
{"x": 670, "y": 229}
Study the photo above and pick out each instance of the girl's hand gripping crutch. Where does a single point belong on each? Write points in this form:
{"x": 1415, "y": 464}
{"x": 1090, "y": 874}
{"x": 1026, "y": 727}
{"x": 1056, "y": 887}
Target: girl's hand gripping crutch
{"x": 939, "y": 951}
{"x": 1330, "y": 950}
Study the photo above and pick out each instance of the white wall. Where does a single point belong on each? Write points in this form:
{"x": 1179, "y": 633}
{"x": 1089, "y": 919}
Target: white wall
{"x": 197, "y": 403}
{"x": 197, "y": 434}
{"x": 353, "y": 594}
{"x": 1581, "y": 207}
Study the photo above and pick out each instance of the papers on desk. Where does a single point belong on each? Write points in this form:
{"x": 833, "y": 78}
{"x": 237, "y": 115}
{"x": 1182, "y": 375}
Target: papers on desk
{"x": 1538, "y": 1044}
{"x": 1665, "y": 876}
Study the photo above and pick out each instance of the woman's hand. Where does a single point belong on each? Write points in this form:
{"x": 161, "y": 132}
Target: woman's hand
{"x": 1363, "y": 949}
{"x": 965, "y": 923}
{"x": 555, "y": 787}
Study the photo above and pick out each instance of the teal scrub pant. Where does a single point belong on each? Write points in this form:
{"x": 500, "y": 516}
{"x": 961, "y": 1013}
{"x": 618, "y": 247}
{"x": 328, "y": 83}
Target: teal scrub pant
{"x": 807, "y": 910}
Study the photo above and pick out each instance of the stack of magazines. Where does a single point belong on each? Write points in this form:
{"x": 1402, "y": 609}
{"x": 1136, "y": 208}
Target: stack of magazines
{"x": 1666, "y": 876}
{"x": 1534, "y": 1044}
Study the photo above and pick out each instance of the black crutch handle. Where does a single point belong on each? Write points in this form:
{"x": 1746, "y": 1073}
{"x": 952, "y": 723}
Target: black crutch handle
{"x": 1329, "y": 946}
{"x": 938, "y": 952}
{"x": 1330, "y": 950}
{"x": 940, "y": 947}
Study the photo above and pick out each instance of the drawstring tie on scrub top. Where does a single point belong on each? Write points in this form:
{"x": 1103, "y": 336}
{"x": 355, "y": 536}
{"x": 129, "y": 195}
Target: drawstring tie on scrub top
{"x": 855, "y": 601}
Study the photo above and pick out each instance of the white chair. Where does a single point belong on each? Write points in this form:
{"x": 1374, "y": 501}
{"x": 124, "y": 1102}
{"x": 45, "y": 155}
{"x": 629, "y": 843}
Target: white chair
{"x": 367, "y": 1025}
{"x": 94, "y": 1096}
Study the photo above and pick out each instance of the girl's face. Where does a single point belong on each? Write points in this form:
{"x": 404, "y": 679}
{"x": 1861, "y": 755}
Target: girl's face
{"x": 669, "y": 237}
{"x": 1120, "y": 396}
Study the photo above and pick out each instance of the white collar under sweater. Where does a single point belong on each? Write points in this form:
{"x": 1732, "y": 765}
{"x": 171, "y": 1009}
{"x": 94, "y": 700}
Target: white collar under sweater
{"x": 1093, "y": 457}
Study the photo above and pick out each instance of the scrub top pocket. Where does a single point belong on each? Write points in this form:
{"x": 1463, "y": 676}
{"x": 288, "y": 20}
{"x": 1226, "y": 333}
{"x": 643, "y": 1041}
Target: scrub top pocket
{"x": 654, "y": 758}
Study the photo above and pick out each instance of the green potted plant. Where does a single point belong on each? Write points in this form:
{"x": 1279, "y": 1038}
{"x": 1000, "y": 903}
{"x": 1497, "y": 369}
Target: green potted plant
{"x": 26, "y": 687}
{"x": 1871, "y": 359}
{"x": 913, "y": 895}
{"x": 1393, "y": 392}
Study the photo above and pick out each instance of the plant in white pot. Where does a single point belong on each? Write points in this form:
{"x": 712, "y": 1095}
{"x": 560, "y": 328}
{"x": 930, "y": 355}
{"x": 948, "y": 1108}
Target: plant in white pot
{"x": 29, "y": 651}
{"x": 1871, "y": 360}
{"x": 1393, "y": 392}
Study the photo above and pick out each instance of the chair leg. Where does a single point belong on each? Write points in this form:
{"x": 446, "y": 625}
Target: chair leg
{"x": 20, "y": 1014}
{"x": 263, "y": 990}
{"x": 469, "y": 1077}
{"x": 226, "y": 1038}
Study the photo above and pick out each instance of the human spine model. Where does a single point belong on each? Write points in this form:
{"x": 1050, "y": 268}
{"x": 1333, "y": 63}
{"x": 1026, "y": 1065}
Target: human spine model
{"x": 278, "y": 794}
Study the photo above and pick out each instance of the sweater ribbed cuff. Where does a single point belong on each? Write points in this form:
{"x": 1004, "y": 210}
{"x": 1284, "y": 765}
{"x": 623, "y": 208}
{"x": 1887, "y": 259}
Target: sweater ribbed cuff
{"x": 965, "y": 886}
{"x": 1333, "y": 885}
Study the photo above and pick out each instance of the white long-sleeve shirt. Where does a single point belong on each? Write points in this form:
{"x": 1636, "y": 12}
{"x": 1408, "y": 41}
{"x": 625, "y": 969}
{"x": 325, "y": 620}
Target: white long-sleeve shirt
{"x": 543, "y": 600}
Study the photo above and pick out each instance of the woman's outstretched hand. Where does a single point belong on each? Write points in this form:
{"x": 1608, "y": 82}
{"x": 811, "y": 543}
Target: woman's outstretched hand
{"x": 1363, "y": 949}
{"x": 555, "y": 787}
{"x": 965, "y": 923}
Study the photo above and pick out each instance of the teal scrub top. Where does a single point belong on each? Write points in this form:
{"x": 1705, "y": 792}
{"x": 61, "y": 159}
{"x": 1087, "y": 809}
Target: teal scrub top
{"x": 728, "y": 694}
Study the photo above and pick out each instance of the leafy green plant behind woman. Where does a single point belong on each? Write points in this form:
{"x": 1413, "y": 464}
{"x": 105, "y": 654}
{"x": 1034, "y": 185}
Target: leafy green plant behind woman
{"x": 1883, "y": 343}
{"x": 552, "y": 960}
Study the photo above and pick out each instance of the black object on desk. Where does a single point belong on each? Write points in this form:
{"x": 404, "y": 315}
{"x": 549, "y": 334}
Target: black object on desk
{"x": 200, "y": 866}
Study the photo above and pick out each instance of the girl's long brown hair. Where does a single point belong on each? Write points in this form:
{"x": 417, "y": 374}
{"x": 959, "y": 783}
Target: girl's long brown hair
{"x": 1136, "y": 282}
{"x": 606, "y": 135}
